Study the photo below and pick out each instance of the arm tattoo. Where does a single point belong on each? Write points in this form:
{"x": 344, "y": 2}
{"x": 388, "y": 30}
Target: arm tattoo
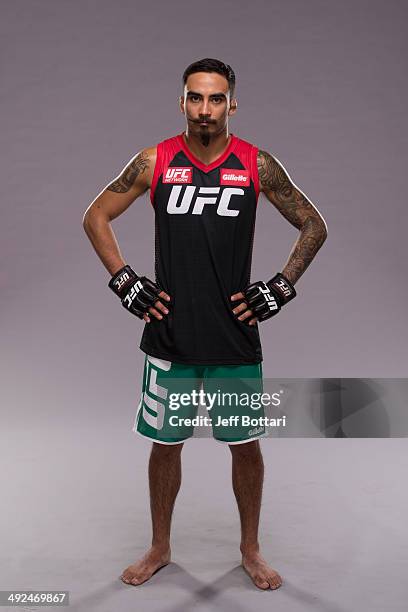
{"x": 297, "y": 209}
{"x": 127, "y": 178}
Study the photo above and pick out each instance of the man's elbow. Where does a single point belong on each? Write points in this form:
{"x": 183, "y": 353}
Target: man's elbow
{"x": 320, "y": 233}
{"x": 86, "y": 221}
{"x": 93, "y": 217}
{"x": 316, "y": 227}
{"x": 319, "y": 228}
{"x": 322, "y": 230}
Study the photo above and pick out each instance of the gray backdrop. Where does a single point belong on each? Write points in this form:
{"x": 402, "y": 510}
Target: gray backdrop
{"x": 85, "y": 85}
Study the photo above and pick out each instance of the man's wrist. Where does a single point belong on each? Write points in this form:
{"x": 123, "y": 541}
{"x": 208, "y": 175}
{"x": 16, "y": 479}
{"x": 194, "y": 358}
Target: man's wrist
{"x": 282, "y": 288}
{"x": 114, "y": 269}
{"x": 122, "y": 279}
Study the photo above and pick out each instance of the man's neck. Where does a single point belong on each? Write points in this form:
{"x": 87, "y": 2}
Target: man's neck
{"x": 211, "y": 152}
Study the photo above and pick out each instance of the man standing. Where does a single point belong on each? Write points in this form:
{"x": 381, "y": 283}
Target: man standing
{"x": 202, "y": 312}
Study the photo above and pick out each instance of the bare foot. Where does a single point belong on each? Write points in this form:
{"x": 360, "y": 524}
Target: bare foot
{"x": 145, "y": 567}
{"x": 263, "y": 576}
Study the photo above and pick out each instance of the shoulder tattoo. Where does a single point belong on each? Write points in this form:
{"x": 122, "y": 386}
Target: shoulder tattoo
{"x": 126, "y": 179}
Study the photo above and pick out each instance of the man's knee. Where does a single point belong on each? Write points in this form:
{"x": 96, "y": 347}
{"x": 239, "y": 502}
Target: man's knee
{"x": 249, "y": 450}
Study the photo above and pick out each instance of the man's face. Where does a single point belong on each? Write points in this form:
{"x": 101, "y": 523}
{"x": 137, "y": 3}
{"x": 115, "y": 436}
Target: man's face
{"x": 206, "y": 104}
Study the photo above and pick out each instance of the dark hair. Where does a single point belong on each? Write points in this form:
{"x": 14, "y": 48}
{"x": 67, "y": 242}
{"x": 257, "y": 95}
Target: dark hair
{"x": 209, "y": 64}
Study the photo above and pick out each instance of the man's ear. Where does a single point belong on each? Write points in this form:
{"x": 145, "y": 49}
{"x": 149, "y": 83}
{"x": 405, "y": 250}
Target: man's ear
{"x": 181, "y": 103}
{"x": 233, "y": 106}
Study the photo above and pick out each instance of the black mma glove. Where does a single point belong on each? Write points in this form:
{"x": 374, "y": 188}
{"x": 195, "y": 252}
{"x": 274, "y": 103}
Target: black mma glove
{"x": 137, "y": 293}
{"x": 266, "y": 299}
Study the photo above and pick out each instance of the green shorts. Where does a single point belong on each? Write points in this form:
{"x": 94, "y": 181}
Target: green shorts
{"x": 222, "y": 400}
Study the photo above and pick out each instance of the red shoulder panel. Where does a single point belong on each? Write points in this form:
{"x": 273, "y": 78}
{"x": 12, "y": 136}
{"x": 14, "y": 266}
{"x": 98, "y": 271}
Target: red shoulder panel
{"x": 166, "y": 150}
{"x": 247, "y": 153}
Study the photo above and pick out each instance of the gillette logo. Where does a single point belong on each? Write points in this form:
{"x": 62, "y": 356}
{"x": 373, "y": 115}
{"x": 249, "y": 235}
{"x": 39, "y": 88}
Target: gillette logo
{"x": 178, "y": 175}
{"x": 231, "y": 176}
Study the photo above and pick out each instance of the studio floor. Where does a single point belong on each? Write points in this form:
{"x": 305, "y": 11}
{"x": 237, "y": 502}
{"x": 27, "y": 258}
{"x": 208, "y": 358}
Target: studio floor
{"x": 75, "y": 513}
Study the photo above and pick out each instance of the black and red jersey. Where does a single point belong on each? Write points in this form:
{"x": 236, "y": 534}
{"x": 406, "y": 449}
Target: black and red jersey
{"x": 204, "y": 230}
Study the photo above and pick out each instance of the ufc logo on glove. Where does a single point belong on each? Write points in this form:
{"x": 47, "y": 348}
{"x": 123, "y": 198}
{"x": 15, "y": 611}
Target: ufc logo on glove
{"x": 198, "y": 197}
{"x": 133, "y": 293}
{"x": 270, "y": 299}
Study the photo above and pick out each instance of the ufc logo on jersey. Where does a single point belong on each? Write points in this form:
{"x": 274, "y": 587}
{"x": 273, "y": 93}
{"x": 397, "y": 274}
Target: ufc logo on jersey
{"x": 128, "y": 299}
{"x": 201, "y": 199}
{"x": 270, "y": 299}
{"x": 178, "y": 175}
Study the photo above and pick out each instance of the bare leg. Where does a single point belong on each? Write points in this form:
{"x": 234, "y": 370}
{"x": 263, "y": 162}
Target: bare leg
{"x": 164, "y": 484}
{"x": 247, "y": 482}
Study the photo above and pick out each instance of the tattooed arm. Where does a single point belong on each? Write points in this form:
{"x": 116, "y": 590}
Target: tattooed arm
{"x": 297, "y": 209}
{"x": 114, "y": 199}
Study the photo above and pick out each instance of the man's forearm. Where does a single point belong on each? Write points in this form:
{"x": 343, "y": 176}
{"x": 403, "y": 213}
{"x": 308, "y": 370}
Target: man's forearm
{"x": 100, "y": 233}
{"x": 312, "y": 235}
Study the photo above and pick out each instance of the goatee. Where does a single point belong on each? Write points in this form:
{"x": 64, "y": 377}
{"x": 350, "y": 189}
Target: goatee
{"x": 205, "y": 139}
